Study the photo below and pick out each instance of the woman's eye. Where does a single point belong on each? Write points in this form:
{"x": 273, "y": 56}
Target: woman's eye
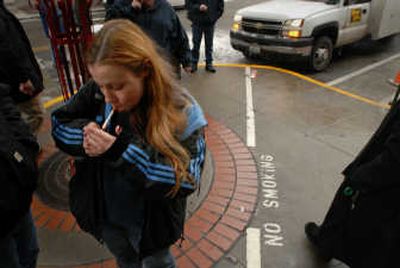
{"x": 118, "y": 87}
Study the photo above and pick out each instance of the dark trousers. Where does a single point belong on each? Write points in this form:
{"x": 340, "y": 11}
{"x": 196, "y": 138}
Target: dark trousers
{"x": 197, "y": 33}
{"x": 121, "y": 247}
{"x": 20, "y": 248}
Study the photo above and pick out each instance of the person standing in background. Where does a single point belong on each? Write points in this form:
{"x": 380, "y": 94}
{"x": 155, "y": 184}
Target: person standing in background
{"x": 158, "y": 19}
{"x": 19, "y": 68}
{"x": 204, "y": 14}
{"x": 18, "y": 179}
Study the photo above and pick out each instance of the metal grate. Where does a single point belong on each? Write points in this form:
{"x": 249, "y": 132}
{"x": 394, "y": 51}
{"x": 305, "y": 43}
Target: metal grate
{"x": 272, "y": 28}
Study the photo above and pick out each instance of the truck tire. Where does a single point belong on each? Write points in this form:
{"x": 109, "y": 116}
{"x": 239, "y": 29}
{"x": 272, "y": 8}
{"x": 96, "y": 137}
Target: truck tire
{"x": 321, "y": 54}
{"x": 387, "y": 40}
{"x": 249, "y": 56}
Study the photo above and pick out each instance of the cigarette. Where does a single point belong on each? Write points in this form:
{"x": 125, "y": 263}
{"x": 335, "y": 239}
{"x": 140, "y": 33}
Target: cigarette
{"x": 103, "y": 127}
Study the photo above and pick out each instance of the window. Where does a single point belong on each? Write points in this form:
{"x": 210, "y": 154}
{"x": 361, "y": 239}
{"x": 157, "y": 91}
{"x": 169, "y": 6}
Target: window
{"x": 355, "y": 2}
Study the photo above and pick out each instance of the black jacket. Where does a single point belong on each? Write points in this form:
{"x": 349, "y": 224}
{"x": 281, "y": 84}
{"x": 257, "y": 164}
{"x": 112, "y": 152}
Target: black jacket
{"x": 135, "y": 178}
{"x": 161, "y": 23}
{"x": 362, "y": 228}
{"x": 17, "y": 60}
{"x": 213, "y": 13}
{"x": 377, "y": 166}
{"x": 18, "y": 151}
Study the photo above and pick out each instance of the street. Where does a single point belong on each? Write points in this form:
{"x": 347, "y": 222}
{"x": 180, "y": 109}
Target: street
{"x": 299, "y": 129}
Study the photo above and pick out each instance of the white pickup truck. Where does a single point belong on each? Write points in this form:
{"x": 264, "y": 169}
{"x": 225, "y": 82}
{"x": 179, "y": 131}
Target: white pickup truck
{"x": 312, "y": 28}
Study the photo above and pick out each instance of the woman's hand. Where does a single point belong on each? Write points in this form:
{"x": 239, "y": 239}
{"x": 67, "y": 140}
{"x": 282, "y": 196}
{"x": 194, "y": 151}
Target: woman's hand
{"x": 95, "y": 140}
{"x": 136, "y": 4}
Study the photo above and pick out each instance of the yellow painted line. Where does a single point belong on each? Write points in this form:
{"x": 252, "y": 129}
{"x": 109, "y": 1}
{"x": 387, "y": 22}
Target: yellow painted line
{"x": 41, "y": 49}
{"x": 59, "y": 99}
{"x": 310, "y": 80}
{"x": 48, "y": 104}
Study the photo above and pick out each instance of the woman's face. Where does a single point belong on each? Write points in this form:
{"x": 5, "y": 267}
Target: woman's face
{"x": 121, "y": 88}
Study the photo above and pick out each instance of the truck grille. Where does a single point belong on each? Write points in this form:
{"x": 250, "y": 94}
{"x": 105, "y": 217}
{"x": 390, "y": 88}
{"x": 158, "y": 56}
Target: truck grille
{"x": 261, "y": 26}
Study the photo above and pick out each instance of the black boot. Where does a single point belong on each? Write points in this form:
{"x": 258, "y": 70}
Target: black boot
{"x": 210, "y": 68}
{"x": 312, "y": 231}
{"x": 194, "y": 68}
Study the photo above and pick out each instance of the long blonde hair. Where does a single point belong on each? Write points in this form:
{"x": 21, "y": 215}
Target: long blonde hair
{"x": 160, "y": 111}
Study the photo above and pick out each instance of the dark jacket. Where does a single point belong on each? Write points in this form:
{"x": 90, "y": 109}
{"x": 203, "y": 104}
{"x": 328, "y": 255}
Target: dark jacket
{"x": 135, "y": 177}
{"x": 18, "y": 151}
{"x": 362, "y": 228}
{"x": 161, "y": 23}
{"x": 17, "y": 60}
{"x": 210, "y": 17}
{"x": 377, "y": 166}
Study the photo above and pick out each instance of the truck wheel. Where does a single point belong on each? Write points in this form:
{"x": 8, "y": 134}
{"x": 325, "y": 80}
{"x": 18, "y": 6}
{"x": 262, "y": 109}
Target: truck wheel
{"x": 249, "y": 56}
{"x": 387, "y": 40}
{"x": 321, "y": 54}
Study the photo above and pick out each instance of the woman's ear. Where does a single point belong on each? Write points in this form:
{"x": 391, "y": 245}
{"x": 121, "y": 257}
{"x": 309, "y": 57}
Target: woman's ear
{"x": 145, "y": 73}
{"x": 146, "y": 68}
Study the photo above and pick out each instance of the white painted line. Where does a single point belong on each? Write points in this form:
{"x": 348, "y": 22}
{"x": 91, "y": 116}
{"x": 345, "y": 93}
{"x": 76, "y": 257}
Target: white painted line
{"x": 253, "y": 248}
{"x": 250, "y": 125}
{"x": 362, "y": 71}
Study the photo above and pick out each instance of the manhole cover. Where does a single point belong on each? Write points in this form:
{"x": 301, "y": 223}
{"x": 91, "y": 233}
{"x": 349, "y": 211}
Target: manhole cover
{"x": 53, "y": 181}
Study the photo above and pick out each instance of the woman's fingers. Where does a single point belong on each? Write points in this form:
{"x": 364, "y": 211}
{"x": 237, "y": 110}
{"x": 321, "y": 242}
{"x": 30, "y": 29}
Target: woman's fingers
{"x": 97, "y": 141}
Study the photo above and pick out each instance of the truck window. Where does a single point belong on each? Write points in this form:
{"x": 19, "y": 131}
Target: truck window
{"x": 324, "y": 1}
{"x": 355, "y": 2}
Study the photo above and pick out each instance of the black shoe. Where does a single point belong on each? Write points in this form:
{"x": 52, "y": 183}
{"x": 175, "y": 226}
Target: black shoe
{"x": 194, "y": 68}
{"x": 210, "y": 68}
{"x": 312, "y": 231}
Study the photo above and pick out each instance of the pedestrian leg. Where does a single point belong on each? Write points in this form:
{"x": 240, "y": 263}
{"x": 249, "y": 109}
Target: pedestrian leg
{"x": 197, "y": 33}
{"x": 9, "y": 254}
{"x": 26, "y": 241}
{"x": 161, "y": 259}
{"x": 118, "y": 243}
{"x": 209, "y": 40}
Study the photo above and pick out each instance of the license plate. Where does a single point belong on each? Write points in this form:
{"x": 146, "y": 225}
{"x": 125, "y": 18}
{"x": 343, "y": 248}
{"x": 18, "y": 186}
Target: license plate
{"x": 255, "y": 49}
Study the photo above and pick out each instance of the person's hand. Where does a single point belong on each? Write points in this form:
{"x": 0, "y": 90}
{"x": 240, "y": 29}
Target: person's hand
{"x": 36, "y": 3}
{"x": 95, "y": 140}
{"x": 137, "y": 4}
{"x": 27, "y": 87}
{"x": 203, "y": 8}
{"x": 188, "y": 69}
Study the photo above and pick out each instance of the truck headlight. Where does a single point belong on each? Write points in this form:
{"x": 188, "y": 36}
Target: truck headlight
{"x": 297, "y": 23}
{"x": 292, "y": 33}
{"x": 292, "y": 28}
{"x": 237, "y": 21}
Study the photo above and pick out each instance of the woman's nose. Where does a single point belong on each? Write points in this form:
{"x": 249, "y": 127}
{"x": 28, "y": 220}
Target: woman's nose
{"x": 109, "y": 97}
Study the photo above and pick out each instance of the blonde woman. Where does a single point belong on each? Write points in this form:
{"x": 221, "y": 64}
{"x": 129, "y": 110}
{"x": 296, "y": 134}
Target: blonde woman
{"x": 139, "y": 145}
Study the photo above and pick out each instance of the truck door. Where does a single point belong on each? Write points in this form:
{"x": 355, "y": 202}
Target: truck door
{"x": 356, "y": 23}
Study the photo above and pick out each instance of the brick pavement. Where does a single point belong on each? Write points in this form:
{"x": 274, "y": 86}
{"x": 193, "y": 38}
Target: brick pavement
{"x": 214, "y": 227}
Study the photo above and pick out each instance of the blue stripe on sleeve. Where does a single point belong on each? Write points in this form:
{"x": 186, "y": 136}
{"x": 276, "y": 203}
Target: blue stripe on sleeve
{"x": 65, "y": 140}
{"x": 195, "y": 167}
{"x": 70, "y": 136}
{"x": 151, "y": 174}
{"x": 149, "y": 166}
{"x": 146, "y": 158}
{"x": 67, "y": 135}
{"x": 65, "y": 128}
